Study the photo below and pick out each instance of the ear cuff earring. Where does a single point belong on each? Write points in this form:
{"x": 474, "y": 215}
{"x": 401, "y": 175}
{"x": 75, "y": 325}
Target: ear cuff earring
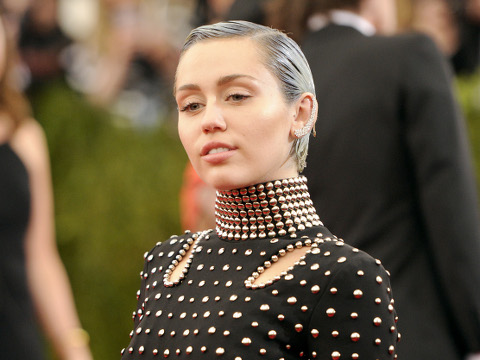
{"x": 309, "y": 125}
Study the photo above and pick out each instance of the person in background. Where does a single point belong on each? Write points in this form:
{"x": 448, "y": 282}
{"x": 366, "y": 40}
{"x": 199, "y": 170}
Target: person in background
{"x": 467, "y": 59}
{"x": 41, "y": 42}
{"x": 197, "y": 202}
{"x": 210, "y": 11}
{"x": 390, "y": 169}
{"x": 33, "y": 282}
{"x": 435, "y": 18}
{"x": 128, "y": 62}
{"x": 249, "y": 10}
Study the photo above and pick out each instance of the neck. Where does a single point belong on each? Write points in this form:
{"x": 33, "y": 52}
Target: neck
{"x": 271, "y": 209}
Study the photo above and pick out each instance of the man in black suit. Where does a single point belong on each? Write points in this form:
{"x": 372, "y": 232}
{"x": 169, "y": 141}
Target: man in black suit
{"x": 390, "y": 172}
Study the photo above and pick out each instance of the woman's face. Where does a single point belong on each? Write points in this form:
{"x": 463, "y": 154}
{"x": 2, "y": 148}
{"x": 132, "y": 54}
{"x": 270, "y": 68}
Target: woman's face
{"x": 233, "y": 120}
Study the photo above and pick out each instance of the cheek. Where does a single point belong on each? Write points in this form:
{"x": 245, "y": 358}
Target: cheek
{"x": 266, "y": 119}
{"x": 185, "y": 136}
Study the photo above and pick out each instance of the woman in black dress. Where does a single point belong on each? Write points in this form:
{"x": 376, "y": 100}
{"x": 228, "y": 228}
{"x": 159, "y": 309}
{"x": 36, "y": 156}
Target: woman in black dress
{"x": 270, "y": 282}
{"x": 33, "y": 281}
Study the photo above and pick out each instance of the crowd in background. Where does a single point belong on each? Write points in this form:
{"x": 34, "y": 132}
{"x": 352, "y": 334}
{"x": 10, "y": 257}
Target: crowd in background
{"x": 122, "y": 53}
{"x": 99, "y": 76}
{"x": 108, "y": 46}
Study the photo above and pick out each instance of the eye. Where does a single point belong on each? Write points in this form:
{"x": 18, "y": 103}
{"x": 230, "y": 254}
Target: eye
{"x": 190, "y": 107}
{"x": 237, "y": 97}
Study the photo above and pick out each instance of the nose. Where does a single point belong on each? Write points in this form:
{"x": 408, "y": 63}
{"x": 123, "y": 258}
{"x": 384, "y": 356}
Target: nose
{"x": 213, "y": 119}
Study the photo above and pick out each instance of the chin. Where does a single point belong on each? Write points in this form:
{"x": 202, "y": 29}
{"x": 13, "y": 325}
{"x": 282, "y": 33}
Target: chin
{"x": 228, "y": 182}
{"x": 227, "y": 185}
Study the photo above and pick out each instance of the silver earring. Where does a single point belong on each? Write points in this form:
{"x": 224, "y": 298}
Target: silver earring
{"x": 309, "y": 125}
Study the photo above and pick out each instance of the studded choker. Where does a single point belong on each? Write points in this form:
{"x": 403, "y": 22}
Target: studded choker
{"x": 271, "y": 209}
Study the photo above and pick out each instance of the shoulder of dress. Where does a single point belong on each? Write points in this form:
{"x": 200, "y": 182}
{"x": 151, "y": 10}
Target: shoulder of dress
{"x": 166, "y": 244}
{"x": 343, "y": 257}
{"x": 174, "y": 242}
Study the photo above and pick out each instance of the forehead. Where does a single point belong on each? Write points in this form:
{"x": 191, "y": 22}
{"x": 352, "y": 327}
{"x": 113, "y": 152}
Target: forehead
{"x": 220, "y": 57}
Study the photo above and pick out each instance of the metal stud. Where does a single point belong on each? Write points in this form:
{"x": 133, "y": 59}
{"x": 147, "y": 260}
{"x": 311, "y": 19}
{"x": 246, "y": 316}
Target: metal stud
{"x": 272, "y": 334}
{"x": 358, "y": 294}
{"x": 246, "y": 341}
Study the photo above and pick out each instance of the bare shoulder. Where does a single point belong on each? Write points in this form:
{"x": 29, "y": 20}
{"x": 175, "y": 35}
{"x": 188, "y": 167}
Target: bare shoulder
{"x": 6, "y": 128}
{"x": 30, "y": 144}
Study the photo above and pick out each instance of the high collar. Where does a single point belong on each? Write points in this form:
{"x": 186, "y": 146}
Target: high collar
{"x": 271, "y": 209}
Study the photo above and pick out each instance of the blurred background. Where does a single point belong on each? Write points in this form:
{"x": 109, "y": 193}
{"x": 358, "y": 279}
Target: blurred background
{"x": 98, "y": 74}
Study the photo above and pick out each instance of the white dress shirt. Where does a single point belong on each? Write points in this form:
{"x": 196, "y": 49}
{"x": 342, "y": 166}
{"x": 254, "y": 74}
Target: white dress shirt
{"x": 342, "y": 17}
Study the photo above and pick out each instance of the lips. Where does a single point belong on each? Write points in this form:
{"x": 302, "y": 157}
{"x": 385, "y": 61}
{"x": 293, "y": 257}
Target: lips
{"x": 217, "y": 153}
{"x": 215, "y": 148}
{"x": 218, "y": 150}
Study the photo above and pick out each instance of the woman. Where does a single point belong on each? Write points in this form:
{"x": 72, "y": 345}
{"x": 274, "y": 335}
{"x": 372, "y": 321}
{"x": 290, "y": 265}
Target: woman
{"x": 33, "y": 281}
{"x": 271, "y": 281}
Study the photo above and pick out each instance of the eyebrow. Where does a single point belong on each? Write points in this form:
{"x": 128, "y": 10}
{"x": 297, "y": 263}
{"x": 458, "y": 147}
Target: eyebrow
{"x": 222, "y": 81}
{"x": 229, "y": 78}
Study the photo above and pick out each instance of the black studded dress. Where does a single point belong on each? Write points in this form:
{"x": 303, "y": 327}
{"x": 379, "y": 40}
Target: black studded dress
{"x": 18, "y": 337}
{"x": 334, "y": 303}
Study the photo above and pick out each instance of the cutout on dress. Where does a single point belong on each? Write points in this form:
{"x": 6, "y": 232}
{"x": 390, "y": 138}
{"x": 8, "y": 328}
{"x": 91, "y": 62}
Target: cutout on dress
{"x": 181, "y": 263}
{"x": 279, "y": 265}
{"x": 179, "y": 271}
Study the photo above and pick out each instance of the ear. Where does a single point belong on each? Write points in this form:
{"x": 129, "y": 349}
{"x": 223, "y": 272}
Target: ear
{"x": 305, "y": 115}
